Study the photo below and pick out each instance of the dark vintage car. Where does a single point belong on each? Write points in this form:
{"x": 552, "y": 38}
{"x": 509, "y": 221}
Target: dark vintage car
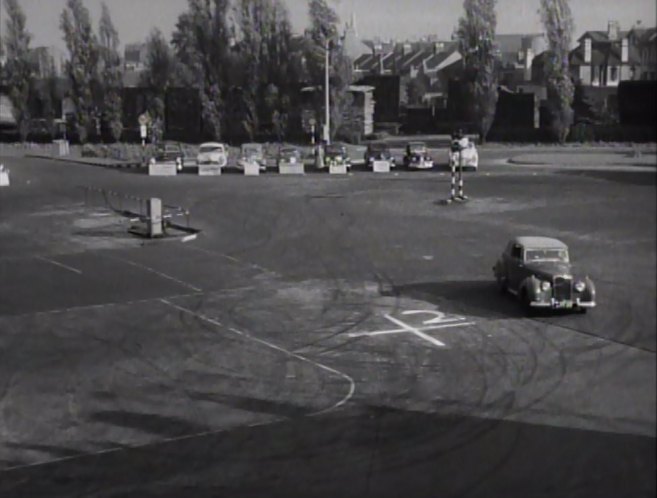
{"x": 336, "y": 154}
{"x": 378, "y": 152}
{"x": 288, "y": 155}
{"x": 170, "y": 152}
{"x": 538, "y": 271}
{"x": 417, "y": 156}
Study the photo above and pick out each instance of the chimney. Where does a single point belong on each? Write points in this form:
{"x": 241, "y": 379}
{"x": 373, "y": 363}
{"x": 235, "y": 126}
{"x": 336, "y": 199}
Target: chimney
{"x": 529, "y": 60}
{"x": 587, "y": 50}
{"x": 625, "y": 50}
{"x": 613, "y": 30}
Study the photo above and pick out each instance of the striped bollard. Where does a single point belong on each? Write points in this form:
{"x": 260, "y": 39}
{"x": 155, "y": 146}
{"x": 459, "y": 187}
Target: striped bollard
{"x": 461, "y": 196}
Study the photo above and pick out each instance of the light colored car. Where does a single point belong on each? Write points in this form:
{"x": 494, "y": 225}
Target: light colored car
{"x": 417, "y": 156}
{"x": 463, "y": 153}
{"x": 252, "y": 153}
{"x": 213, "y": 153}
{"x": 538, "y": 271}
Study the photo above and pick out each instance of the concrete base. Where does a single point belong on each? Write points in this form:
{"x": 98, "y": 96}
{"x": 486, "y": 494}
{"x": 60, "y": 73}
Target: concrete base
{"x": 162, "y": 169}
{"x": 381, "y": 166}
{"x": 338, "y": 169}
{"x": 209, "y": 170}
{"x": 4, "y": 179}
{"x": 251, "y": 169}
{"x": 291, "y": 169}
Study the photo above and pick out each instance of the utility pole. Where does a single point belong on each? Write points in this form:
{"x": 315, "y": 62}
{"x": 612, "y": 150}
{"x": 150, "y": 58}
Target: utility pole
{"x": 327, "y": 103}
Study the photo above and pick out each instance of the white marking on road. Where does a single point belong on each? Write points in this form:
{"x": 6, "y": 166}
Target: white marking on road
{"x": 212, "y": 321}
{"x": 125, "y": 447}
{"x": 437, "y": 322}
{"x": 155, "y": 272}
{"x": 61, "y": 265}
{"x": 415, "y": 331}
{"x": 232, "y": 258}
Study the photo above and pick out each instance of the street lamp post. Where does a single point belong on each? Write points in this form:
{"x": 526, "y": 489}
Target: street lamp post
{"x": 327, "y": 103}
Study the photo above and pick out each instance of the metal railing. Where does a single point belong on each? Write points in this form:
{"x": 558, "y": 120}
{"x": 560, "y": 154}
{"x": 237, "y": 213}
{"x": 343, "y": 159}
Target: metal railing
{"x": 132, "y": 206}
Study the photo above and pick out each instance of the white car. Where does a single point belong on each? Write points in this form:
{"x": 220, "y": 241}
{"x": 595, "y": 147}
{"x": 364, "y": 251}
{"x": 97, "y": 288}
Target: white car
{"x": 213, "y": 153}
{"x": 465, "y": 151}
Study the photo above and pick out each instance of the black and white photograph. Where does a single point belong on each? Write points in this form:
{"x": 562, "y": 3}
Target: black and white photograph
{"x": 328, "y": 248}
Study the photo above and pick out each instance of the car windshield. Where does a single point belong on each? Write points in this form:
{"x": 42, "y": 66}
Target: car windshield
{"x": 417, "y": 147}
{"x": 378, "y": 148}
{"x": 211, "y": 148}
{"x": 251, "y": 150}
{"x": 546, "y": 255}
{"x": 335, "y": 151}
{"x": 288, "y": 153}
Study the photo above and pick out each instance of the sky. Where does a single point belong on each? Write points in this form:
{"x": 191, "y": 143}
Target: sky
{"x": 400, "y": 19}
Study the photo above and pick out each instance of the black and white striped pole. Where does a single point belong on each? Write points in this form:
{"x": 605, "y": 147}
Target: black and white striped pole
{"x": 461, "y": 196}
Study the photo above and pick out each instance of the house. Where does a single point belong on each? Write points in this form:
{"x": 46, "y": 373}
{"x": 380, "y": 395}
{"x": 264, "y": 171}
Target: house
{"x": 605, "y": 58}
{"x": 134, "y": 56}
{"x": 515, "y": 54}
{"x": 645, "y": 41}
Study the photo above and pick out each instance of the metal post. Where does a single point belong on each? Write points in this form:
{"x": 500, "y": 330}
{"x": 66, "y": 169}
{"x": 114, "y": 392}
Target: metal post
{"x": 460, "y": 175}
{"x": 452, "y": 194}
{"x": 327, "y": 111}
{"x": 461, "y": 195}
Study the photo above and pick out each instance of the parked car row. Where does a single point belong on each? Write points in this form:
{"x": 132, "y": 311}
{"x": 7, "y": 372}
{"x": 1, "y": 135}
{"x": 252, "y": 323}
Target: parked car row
{"x": 416, "y": 156}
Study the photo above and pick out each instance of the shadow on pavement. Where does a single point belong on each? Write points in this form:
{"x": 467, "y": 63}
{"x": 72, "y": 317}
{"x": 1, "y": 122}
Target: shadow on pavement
{"x": 148, "y": 422}
{"x": 361, "y": 452}
{"x": 472, "y": 297}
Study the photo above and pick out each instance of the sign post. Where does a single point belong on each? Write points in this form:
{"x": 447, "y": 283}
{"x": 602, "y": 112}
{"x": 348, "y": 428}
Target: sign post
{"x": 144, "y": 120}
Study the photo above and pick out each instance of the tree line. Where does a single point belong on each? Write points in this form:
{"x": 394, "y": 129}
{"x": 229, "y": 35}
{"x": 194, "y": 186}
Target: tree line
{"x": 248, "y": 67}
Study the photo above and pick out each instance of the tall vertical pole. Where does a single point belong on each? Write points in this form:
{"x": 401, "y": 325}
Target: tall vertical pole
{"x": 327, "y": 110}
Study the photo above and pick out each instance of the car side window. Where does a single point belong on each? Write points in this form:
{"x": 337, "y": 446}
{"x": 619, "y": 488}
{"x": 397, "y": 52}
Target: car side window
{"x": 516, "y": 252}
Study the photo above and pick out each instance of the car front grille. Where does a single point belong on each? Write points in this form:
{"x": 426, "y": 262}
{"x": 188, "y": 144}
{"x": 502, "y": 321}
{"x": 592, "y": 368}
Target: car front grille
{"x": 562, "y": 289}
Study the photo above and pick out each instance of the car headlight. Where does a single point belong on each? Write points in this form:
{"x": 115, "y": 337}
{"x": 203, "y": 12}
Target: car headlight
{"x": 545, "y": 286}
{"x": 580, "y": 286}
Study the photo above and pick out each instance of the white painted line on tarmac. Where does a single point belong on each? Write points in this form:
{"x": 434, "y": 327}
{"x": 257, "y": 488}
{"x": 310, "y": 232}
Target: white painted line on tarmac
{"x": 155, "y": 272}
{"x": 416, "y": 331}
{"x": 101, "y": 305}
{"x": 450, "y": 322}
{"x": 233, "y": 259}
{"x": 61, "y": 265}
{"x": 212, "y": 321}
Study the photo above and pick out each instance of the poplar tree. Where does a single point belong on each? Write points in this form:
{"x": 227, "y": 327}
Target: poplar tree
{"x": 203, "y": 42}
{"x": 111, "y": 74}
{"x": 476, "y": 35}
{"x": 323, "y": 30}
{"x": 558, "y": 22}
{"x": 82, "y": 65}
{"x": 264, "y": 47}
{"x": 19, "y": 70}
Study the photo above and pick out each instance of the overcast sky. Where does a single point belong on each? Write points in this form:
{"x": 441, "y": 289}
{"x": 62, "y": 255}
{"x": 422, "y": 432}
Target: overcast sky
{"x": 386, "y": 18}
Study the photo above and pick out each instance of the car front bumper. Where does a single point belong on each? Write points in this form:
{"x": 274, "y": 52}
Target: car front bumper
{"x": 557, "y": 305}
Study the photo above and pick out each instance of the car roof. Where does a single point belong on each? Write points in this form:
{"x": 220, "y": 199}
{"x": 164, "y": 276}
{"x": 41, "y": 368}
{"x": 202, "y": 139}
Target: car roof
{"x": 251, "y": 145}
{"x": 534, "y": 242}
{"x": 211, "y": 144}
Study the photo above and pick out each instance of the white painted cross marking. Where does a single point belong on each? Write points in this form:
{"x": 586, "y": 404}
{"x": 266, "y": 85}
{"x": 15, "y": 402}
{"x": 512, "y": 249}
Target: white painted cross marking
{"x": 439, "y": 321}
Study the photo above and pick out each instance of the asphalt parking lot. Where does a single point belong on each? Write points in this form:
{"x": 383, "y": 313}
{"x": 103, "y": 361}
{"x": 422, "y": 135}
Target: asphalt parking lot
{"x": 324, "y": 336}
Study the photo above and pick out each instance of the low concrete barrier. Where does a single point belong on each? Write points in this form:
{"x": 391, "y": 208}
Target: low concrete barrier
{"x": 162, "y": 169}
{"x": 209, "y": 170}
{"x": 285, "y": 168}
{"x": 337, "y": 169}
{"x": 381, "y": 166}
{"x": 251, "y": 169}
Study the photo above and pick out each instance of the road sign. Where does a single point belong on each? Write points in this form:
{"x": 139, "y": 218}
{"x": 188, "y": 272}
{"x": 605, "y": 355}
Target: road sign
{"x": 144, "y": 119}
